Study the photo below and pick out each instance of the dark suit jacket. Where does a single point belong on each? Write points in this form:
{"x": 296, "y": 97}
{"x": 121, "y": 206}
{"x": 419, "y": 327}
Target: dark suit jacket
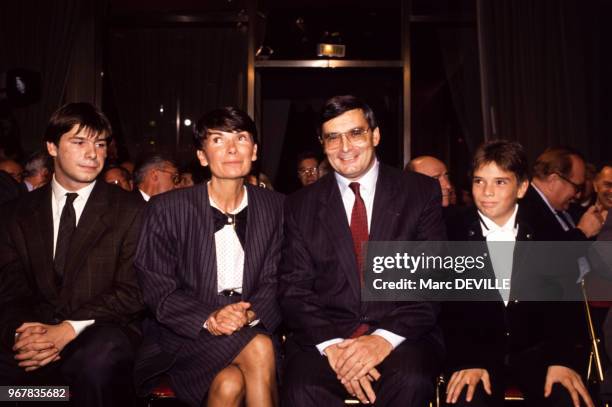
{"x": 319, "y": 284}
{"x": 481, "y": 334}
{"x": 9, "y": 188}
{"x": 177, "y": 268}
{"x": 536, "y": 213}
{"x": 99, "y": 281}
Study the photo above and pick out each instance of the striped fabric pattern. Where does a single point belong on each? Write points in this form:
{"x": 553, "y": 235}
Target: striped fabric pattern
{"x": 176, "y": 267}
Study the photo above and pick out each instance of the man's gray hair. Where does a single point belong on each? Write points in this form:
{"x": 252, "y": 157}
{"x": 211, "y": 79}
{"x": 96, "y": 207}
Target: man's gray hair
{"x": 36, "y": 163}
{"x": 149, "y": 163}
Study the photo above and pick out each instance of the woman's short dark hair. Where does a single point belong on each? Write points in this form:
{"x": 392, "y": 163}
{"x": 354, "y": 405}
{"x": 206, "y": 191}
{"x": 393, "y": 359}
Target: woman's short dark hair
{"x": 339, "y": 105}
{"x": 83, "y": 115}
{"x": 508, "y": 155}
{"x": 228, "y": 119}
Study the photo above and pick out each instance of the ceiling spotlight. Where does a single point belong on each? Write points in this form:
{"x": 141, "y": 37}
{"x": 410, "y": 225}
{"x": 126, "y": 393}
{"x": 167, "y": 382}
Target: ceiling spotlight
{"x": 331, "y": 46}
{"x": 187, "y": 122}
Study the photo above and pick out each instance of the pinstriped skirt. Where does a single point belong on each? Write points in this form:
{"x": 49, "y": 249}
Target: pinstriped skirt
{"x": 200, "y": 360}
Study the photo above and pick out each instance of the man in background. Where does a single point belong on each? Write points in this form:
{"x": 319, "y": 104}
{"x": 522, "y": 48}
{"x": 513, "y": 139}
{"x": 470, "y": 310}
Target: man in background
{"x": 13, "y": 168}
{"x": 38, "y": 170}
{"x": 307, "y": 168}
{"x": 117, "y": 175}
{"x": 155, "y": 175}
{"x": 436, "y": 169}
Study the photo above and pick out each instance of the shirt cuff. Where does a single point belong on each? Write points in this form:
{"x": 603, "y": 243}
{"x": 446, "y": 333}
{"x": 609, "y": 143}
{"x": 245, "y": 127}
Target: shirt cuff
{"x": 254, "y": 322}
{"x": 79, "y": 326}
{"x": 323, "y": 345}
{"x": 394, "y": 339}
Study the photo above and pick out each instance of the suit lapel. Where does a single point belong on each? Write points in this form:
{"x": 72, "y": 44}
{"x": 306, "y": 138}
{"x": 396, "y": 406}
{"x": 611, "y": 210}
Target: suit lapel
{"x": 474, "y": 235}
{"x": 39, "y": 229}
{"x": 252, "y": 244}
{"x": 95, "y": 219}
{"x": 385, "y": 212}
{"x": 206, "y": 244}
{"x": 332, "y": 217}
{"x": 522, "y": 248}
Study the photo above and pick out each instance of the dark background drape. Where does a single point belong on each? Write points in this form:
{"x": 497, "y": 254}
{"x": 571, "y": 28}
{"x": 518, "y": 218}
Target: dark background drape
{"x": 541, "y": 72}
{"x": 39, "y": 35}
{"x": 153, "y": 71}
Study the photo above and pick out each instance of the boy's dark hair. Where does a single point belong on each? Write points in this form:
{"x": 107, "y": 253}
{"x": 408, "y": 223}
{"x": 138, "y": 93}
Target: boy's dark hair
{"x": 508, "y": 155}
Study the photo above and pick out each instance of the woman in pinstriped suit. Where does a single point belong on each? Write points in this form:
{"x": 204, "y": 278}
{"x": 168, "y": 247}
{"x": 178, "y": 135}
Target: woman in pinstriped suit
{"x": 207, "y": 263}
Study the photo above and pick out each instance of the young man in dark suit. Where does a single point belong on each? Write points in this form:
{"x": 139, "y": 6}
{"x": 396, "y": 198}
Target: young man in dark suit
{"x": 496, "y": 343}
{"x": 339, "y": 346}
{"x": 69, "y": 298}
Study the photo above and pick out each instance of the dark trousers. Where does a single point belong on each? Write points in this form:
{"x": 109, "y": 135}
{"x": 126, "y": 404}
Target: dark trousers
{"x": 407, "y": 377}
{"x": 97, "y": 366}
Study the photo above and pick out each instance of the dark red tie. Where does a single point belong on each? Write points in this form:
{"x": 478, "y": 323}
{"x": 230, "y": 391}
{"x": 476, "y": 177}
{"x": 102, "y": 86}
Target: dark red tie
{"x": 359, "y": 227}
{"x": 359, "y": 230}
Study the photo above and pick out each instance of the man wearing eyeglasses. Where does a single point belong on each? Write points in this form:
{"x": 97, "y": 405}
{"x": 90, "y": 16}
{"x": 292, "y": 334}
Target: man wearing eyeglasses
{"x": 155, "y": 175}
{"x": 558, "y": 179}
{"x": 308, "y": 168}
{"x": 340, "y": 346}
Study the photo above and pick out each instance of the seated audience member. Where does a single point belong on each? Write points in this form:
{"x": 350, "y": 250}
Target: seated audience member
{"x": 186, "y": 179}
{"x": 69, "y": 299}
{"x": 13, "y": 168}
{"x": 307, "y": 168}
{"x": 587, "y": 196}
{"x": 155, "y": 175}
{"x": 117, "y": 175}
{"x": 602, "y": 186}
{"x": 432, "y": 167}
{"x": 9, "y": 188}
{"x": 324, "y": 168}
{"x": 128, "y": 165}
{"x": 558, "y": 179}
{"x": 385, "y": 353}
{"x": 496, "y": 343}
{"x": 38, "y": 171}
{"x": 207, "y": 262}
{"x": 260, "y": 180}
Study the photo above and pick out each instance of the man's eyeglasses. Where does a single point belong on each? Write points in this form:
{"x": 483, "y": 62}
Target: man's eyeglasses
{"x": 355, "y": 136}
{"x": 578, "y": 188}
{"x": 176, "y": 177}
{"x": 308, "y": 171}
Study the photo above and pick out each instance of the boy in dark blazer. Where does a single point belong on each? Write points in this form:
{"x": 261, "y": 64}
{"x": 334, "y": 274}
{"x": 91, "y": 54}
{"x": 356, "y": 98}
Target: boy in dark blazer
{"x": 492, "y": 344}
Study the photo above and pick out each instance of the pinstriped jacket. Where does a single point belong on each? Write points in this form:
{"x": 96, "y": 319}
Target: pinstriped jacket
{"x": 176, "y": 265}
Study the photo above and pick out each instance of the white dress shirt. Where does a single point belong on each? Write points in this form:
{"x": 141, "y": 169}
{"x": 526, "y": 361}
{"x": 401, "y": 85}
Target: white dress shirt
{"x": 229, "y": 251}
{"x": 58, "y": 200}
{"x": 230, "y": 254}
{"x": 367, "y": 190}
{"x": 501, "y": 255}
{"x": 145, "y": 196}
